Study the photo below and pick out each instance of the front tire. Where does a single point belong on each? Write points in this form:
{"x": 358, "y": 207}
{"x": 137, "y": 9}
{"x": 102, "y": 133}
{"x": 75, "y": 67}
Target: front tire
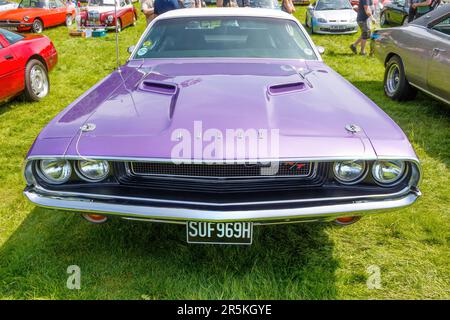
{"x": 119, "y": 25}
{"x": 405, "y": 21}
{"x": 38, "y": 26}
{"x": 383, "y": 19}
{"x": 396, "y": 86}
{"x": 69, "y": 20}
{"x": 37, "y": 85}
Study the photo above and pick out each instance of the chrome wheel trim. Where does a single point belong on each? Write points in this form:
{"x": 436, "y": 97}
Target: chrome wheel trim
{"x": 383, "y": 19}
{"x": 38, "y": 26}
{"x": 119, "y": 25}
{"x": 39, "y": 81}
{"x": 69, "y": 20}
{"x": 393, "y": 79}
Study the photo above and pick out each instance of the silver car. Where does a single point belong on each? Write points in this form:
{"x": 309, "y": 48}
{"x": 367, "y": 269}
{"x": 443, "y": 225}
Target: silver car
{"x": 331, "y": 16}
{"x": 416, "y": 56}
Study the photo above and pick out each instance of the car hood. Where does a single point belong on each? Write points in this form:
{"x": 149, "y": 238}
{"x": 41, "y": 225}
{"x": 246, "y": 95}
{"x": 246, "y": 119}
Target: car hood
{"x": 140, "y": 111}
{"x": 19, "y": 13}
{"x": 337, "y": 15}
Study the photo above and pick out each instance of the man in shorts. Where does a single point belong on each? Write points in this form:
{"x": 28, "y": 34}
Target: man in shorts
{"x": 363, "y": 18}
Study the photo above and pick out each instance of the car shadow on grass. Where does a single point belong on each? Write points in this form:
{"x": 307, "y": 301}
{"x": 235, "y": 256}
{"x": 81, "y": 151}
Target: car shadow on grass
{"x": 135, "y": 260}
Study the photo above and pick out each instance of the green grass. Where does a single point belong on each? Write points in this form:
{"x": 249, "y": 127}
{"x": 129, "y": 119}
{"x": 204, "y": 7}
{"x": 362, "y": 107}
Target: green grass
{"x": 132, "y": 260}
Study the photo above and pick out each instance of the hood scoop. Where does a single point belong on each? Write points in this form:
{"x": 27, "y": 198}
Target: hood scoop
{"x": 159, "y": 87}
{"x": 287, "y": 88}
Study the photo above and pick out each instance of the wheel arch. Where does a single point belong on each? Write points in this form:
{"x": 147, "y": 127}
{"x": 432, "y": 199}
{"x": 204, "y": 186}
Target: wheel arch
{"x": 389, "y": 56}
{"x": 39, "y": 58}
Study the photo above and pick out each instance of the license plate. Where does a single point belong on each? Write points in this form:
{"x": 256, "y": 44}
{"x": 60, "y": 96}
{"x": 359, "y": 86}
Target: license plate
{"x": 10, "y": 28}
{"x": 219, "y": 232}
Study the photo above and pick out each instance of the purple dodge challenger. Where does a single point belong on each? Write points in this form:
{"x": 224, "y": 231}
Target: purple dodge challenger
{"x": 223, "y": 119}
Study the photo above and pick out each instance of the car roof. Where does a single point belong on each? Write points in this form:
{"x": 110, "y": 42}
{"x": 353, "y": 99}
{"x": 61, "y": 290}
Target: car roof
{"x": 226, "y": 12}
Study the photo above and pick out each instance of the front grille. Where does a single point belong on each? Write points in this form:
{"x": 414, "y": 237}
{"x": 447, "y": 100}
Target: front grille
{"x": 285, "y": 169}
{"x": 94, "y": 17}
{"x": 10, "y": 21}
{"x": 220, "y": 178}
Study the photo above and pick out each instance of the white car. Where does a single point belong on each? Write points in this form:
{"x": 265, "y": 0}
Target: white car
{"x": 5, "y": 5}
{"x": 331, "y": 16}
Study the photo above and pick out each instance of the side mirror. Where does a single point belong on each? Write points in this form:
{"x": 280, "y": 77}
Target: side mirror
{"x": 131, "y": 49}
{"x": 320, "y": 49}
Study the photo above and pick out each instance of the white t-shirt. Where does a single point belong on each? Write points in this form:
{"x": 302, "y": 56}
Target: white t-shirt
{"x": 147, "y": 5}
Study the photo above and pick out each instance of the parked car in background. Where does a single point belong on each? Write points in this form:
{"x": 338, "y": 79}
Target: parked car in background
{"x": 24, "y": 65}
{"x": 267, "y": 4}
{"x": 326, "y": 152}
{"x": 35, "y": 15}
{"x": 417, "y": 56}
{"x": 102, "y": 14}
{"x": 6, "y": 5}
{"x": 394, "y": 12}
{"x": 331, "y": 16}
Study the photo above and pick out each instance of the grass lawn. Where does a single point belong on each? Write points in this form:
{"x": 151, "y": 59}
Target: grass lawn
{"x": 132, "y": 260}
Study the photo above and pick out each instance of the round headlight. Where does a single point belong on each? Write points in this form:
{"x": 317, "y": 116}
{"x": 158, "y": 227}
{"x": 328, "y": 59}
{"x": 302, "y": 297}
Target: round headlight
{"x": 387, "y": 172}
{"x": 55, "y": 171}
{"x": 26, "y": 18}
{"x": 349, "y": 171}
{"x": 93, "y": 170}
{"x": 110, "y": 18}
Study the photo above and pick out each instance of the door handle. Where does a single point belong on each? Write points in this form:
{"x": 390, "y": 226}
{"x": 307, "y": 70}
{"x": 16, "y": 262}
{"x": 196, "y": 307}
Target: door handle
{"x": 9, "y": 57}
{"x": 439, "y": 50}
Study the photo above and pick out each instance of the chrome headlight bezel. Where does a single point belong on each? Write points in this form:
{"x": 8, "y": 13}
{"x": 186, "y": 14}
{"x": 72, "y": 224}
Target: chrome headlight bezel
{"x": 322, "y": 20}
{"x": 41, "y": 168}
{"x": 391, "y": 182}
{"x": 81, "y": 173}
{"x": 361, "y": 176}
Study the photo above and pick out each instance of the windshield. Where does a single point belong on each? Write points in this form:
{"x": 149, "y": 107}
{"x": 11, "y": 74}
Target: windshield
{"x": 100, "y": 3}
{"x": 242, "y": 37}
{"x": 333, "y": 5}
{"x": 32, "y": 4}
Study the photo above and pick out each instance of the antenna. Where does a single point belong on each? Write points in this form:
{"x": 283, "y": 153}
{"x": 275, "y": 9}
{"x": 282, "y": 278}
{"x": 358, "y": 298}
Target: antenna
{"x": 117, "y": 36}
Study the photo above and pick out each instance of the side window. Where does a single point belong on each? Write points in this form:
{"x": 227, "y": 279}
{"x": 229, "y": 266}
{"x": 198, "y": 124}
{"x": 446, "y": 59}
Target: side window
{"x": 443, "y": 26}
{"x": 10, "y": 36}
{"x": 52, "y": 4}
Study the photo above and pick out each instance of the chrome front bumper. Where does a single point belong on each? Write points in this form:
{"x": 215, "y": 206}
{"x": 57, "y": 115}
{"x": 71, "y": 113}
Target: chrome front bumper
{"x": 177, "y": 212}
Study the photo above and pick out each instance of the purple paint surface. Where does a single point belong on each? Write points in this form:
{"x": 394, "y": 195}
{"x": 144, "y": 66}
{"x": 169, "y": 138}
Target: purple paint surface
{"x": 311, "y": 114}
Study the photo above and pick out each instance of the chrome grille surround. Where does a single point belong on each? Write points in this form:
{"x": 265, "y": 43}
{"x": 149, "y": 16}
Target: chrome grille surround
{"x": 235, "y": 171}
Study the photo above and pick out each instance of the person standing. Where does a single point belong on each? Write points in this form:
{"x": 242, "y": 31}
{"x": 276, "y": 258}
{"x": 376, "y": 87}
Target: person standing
{"x": 147, "y": 8}
{"x": 288, "y": 6}
{"x": 363, "y": 18}
{"x": 162, "y": 6}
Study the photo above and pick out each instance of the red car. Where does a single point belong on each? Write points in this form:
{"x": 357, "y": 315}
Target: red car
{"x": 35, "y": 15}
{"x": 105, "y": 13}
{"x": 24, "y": 65}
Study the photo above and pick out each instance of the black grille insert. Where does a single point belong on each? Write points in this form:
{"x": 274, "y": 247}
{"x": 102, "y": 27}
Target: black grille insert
{"x": 285, "y": 169}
